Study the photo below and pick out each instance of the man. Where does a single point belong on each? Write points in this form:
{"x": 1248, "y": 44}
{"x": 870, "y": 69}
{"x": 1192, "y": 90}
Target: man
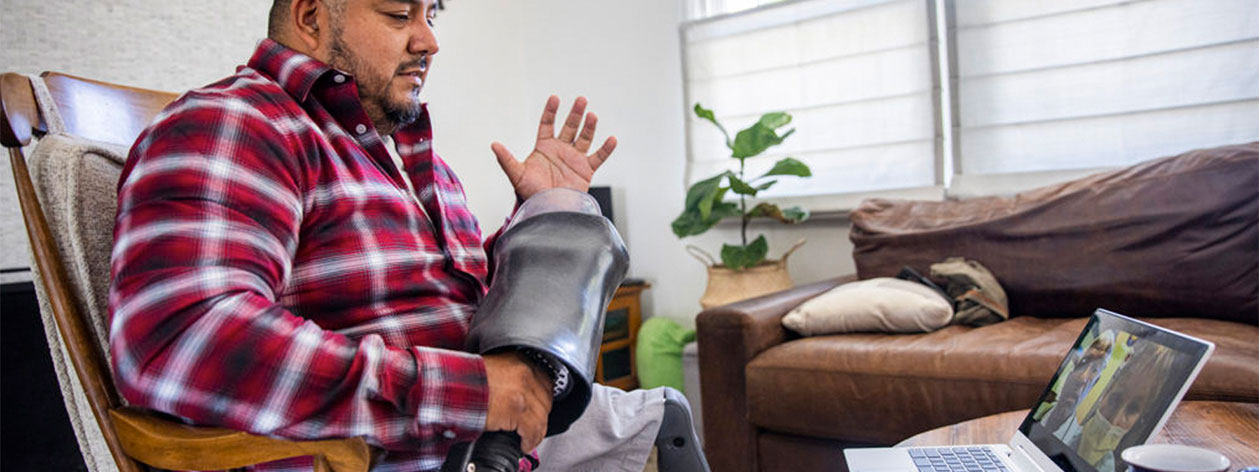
{"x": 292, "y": 259}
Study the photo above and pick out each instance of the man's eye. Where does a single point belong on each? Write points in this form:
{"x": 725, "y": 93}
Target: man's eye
{"x": 399, "y": 16}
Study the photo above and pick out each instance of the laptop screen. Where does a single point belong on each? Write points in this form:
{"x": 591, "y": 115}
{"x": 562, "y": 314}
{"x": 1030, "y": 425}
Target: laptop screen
{"x": 1118, "y": 383}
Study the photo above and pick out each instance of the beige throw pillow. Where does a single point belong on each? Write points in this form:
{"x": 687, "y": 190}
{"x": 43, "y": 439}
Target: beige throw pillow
{"x": 882, "y": 304}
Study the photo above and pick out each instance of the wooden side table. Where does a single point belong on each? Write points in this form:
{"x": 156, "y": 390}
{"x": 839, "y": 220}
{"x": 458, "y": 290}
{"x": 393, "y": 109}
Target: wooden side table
{"x": 620, "y": 338}
{"x": 1230, "y": 428}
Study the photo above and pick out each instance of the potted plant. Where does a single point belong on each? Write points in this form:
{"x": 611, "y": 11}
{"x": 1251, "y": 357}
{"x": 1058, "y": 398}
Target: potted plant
{"x": 744, "y": 270}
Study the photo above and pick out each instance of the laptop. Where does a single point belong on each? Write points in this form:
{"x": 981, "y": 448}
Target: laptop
{"x": 1116, "y": 388}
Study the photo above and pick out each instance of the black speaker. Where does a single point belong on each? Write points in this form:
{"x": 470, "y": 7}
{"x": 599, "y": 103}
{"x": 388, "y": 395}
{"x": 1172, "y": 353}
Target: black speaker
{"x": 603, "y": 195}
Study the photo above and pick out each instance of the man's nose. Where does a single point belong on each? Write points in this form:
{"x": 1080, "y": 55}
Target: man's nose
{"x": 423, "y": 40}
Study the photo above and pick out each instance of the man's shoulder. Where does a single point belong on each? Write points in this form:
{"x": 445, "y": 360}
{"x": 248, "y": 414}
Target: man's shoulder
{"x": 245, "y": 105}
{"x": 246, "y": 94}
{"x": 244, "y": 122}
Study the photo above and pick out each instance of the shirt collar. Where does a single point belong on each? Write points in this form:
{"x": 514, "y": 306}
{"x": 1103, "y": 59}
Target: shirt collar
{"x": 294, "y": 71}
{"x": 298, "y": 74}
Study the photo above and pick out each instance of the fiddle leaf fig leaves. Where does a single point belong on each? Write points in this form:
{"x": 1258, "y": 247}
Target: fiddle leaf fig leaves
{"x": 707, "y": 114}
{"x": 742, "y": 257}
{"x": 704, "y": 207}
{"x": 742, "y": 188}
{"x": 703, "y": 193}
{"x": 690, "y": 223}
{"x": 795, "y": 214}
{"x": 705, "y": 200}
{"x": 769, "y": 210}
{"x": 789, "y": 166}
{"x": 756, "y": 139}
{"x": 775, "y": 120}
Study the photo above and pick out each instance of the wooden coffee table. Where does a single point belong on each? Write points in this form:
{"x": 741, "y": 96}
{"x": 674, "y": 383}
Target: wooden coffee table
{"x": 1230, "y": 428}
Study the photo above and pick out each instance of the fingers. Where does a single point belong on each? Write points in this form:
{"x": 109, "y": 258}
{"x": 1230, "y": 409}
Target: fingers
{"x": 587, "y": 134}
{"x": 539, "y": 411}
{"x": 546, "y": 128}
{"x": 528, "y": 419}
{"x": 534, "y": 415}
{"x": 513, "y": 168}
{"x": 569, "y": 131}
{"x": 520, "y": 398}
{"x": 541, "y": 391}
{"x": 597, "y": 159}
{"x": 533, "y": 429}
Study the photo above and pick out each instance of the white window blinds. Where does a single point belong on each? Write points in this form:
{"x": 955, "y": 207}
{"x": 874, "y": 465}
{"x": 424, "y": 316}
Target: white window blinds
{"x": 856, "y": 75}
{"x": 700, "y": 9}
{"x": 1084, "y": 84}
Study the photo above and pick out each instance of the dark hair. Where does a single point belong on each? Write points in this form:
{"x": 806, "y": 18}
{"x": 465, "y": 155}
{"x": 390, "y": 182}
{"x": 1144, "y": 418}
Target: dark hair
{"x": 279, "y": 14}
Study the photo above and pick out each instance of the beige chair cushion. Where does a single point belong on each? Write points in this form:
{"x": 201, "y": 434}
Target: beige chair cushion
{"x": 77, "y": 180}
{"x": 884, "y": 305}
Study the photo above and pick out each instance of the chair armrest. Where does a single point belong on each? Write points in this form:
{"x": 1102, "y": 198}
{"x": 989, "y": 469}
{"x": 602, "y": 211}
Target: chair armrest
{"x": 729, "y": 336}
{"x": 165, "y": 444}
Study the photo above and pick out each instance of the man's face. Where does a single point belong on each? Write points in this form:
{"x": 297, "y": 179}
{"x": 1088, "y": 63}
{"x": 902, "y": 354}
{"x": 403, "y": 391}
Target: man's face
{"x": 388, "y": 46}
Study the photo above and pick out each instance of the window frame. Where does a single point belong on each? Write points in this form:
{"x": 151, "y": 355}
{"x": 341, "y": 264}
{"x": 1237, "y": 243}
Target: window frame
{"x": 841, "y": 203}
{"x": 951, "y": 181}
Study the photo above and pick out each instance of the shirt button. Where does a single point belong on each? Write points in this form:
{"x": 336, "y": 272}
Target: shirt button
{"x": 340, "y": 79}
{"x": 360, "y": 129}
{"x": 448, "y": 434}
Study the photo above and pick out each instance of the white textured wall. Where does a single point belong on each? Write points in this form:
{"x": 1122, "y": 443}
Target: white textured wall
{"x": 499, "y": 60}
{"x": 167, "y": 45}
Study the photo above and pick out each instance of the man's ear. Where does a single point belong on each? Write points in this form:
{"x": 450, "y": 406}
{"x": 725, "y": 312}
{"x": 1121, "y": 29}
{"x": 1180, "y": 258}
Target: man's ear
{"x": 306, "y": 17}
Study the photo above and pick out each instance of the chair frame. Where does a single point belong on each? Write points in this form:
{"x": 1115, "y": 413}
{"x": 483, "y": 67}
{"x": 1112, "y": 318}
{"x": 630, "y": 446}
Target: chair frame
{"x": 135, "y": 436}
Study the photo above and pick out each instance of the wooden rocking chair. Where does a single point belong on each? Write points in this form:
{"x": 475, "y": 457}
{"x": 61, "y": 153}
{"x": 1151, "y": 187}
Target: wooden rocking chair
{"x": 72, "y": 274}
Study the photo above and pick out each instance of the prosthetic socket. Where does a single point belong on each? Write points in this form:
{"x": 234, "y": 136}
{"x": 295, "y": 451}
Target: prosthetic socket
{"x": 555, "y": 272}
{"x": 557, "y": 266}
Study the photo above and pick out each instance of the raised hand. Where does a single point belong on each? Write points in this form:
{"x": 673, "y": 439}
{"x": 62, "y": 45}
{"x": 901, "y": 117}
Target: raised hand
{"x": 557, "y": 161}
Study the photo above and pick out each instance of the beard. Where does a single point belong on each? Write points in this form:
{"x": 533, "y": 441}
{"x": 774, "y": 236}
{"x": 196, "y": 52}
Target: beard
{"x": 373, "y": 91}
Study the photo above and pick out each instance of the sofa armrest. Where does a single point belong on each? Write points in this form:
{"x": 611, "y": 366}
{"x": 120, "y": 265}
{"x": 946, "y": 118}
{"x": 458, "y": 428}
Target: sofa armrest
{"x": 729, "y": 336}
{"x": 756, "y": 323}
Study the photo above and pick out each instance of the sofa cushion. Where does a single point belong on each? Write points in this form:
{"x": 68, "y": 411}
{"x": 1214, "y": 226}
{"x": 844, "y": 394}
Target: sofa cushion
{"x": 856, "y": 387}
{"x": 1173, "y": 237}
{"x": 880, "y": 305}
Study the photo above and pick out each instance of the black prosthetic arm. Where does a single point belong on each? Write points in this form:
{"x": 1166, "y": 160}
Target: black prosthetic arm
{"x": 555, "y": 273}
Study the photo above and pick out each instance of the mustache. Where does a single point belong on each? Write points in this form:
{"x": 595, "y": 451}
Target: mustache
{"x": 421, "y": 62}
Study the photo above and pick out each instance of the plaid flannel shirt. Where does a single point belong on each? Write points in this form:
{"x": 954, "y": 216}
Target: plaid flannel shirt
{"x": 272, "y": 273}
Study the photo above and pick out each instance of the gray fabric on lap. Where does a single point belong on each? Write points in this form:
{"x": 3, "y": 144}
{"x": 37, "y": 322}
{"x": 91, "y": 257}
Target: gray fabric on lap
{"x": 615, "y": 433}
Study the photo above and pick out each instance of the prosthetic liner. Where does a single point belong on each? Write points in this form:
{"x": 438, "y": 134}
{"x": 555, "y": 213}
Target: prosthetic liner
{"x": 556, "y": 268}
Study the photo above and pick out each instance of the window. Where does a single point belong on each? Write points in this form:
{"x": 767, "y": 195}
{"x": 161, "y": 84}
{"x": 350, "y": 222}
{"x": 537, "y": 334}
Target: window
{"x": 1089, "y": 84}
{"x": 700, "y": 9}
{"x": 1019, "y": 93}
{"x": 856, "y": 75}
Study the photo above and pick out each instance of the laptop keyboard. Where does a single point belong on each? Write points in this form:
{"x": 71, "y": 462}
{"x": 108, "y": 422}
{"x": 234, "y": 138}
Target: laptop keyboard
{"x": 957, "y": 459}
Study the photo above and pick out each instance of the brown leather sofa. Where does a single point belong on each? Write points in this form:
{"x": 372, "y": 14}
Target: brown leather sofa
{"x": 1173, "y": 241}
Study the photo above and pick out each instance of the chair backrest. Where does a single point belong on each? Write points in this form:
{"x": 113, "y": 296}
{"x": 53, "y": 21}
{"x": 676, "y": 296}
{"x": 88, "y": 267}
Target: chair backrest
{"x": 85, "y": 128}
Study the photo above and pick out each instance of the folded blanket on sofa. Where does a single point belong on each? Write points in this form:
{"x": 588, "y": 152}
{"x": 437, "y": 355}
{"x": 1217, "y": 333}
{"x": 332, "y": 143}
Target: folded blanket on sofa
{"x": 978, "y": 298}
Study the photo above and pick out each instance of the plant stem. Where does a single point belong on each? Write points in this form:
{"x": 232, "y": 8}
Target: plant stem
{"x": 743, "y": 209}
